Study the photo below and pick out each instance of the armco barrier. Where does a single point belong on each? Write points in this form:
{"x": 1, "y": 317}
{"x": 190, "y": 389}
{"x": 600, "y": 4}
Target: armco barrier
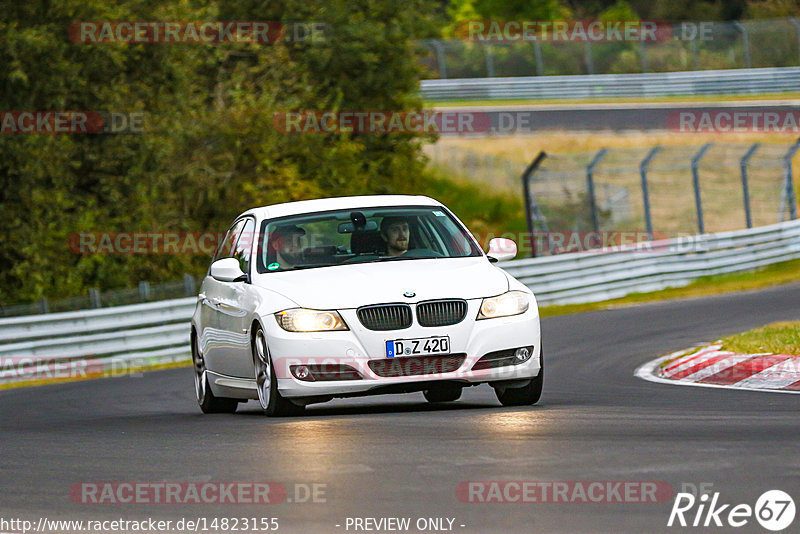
{"x": 593, "y": 276}
{"x": 156, "y": 333}
{"x": 138, "y": 336}
{"x": 655, "y": 84}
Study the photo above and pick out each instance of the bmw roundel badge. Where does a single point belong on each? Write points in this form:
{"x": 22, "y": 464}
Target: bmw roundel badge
{"x": 409, "y": 294}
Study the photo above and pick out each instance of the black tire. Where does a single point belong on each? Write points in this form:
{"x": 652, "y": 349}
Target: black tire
{"x": 271, "y": 400}
{"x": 526, "y": 395}
{"x": 443, "y": 394}
{"x": 205, "y": 397}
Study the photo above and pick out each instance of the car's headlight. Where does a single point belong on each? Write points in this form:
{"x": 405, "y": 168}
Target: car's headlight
{"x": 511, "y": 303}
{"x": 303, "y": 320}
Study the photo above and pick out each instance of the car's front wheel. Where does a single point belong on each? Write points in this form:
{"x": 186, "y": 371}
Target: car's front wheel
{"x": 273, "y": 404}
{"x": 525, "y": 395}
{"x": 205, "y": 397}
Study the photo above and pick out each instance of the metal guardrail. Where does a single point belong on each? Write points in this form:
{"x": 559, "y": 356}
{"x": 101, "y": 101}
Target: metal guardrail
{"x": 87, "y": 322}
{"x": 708, "y": 82}
{"x": 599, "y": 275}
{"x": 106, "y": 341}
{"x": 152, "y": 334}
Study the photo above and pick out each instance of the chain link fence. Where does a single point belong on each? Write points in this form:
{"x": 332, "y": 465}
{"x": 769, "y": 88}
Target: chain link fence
{"x": 663, "y": 191}
{"x": 653, "y": 192}
{"x": 693, "y": 46}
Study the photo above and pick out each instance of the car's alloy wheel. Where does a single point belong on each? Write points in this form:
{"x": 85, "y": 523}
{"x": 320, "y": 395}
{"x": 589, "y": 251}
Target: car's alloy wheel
{"x": 205, "y": 397}
{"x": 263, "y": 370}
{"x": 269, "y": 397}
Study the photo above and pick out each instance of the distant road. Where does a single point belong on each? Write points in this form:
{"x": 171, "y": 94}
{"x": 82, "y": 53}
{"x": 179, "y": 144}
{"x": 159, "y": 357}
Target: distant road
{"x": 642, "y": 116}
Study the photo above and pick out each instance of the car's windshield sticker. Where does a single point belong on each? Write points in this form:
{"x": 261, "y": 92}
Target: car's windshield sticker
{"x": 273, "y": 266}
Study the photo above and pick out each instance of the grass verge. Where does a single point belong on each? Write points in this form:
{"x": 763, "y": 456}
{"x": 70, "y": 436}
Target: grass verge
{"x": 777, "y": 338}
{"x": 772, "y": 275}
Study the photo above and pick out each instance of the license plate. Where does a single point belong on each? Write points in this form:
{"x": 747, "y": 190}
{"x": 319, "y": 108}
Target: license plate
{"x": 418, "y": 346}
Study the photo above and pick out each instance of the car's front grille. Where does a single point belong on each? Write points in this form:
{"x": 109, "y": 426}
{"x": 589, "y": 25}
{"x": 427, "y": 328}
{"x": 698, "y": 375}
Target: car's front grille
{"x": 417, "y": 365}
{"x": 385, "y": 316}
{"x": 441, "y": 312}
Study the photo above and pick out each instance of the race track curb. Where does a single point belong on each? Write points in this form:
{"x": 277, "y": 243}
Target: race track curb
{"x": 710, "y": 366}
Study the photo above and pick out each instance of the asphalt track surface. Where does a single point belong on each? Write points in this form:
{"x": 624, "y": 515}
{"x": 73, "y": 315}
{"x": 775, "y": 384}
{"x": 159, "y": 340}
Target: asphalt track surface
{"x": 397, "y": 456}
{"x": 526, "y": 119}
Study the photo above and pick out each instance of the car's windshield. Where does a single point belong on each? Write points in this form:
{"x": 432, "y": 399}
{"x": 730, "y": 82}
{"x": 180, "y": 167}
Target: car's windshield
{"x": 361, "y": 235}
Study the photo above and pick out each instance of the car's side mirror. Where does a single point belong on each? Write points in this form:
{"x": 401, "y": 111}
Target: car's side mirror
{"x": 501, "y": 249}
{"x": 227, "y": 270}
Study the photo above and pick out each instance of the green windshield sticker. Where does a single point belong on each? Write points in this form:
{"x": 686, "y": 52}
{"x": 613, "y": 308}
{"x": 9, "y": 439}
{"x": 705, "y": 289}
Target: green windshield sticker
{"x": 273, "y": 266}
{"x": 438, "y": 213}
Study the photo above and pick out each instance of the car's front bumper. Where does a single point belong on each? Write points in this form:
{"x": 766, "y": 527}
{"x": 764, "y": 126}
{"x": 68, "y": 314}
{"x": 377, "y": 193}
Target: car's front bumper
{"x": 357, "y": 346}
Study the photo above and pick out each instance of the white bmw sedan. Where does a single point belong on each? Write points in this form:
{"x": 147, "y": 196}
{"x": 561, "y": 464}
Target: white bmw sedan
{"x": 341, "y": 297}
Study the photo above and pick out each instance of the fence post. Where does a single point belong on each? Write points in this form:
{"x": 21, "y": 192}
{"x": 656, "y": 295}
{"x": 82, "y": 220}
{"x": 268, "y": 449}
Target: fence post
{"x": 643, "y": 55}
{"x": 144, "y": 291}
{"x": 789, "y": 180}
{"x": 590, "y": 188}
{"x": 645, "y": 194}
{"x": 94, "y": 298}
{"x": 440, "y": 61}
{"x": 537, "y": 53}
{"x": 796, "y": 24}
{"x": 589, "y": 58}
{"x": 189, "y": 284}
{"x": 526, "y": 194}
{"x": 745, "y": 187}
{"x": 748, "y": 61}
{"x": 44, "y": 306}
{"x": 487, "y": 48}
{"x": 698, "y": 200}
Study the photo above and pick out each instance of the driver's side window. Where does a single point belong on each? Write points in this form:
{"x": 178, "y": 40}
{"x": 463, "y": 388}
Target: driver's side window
{"x": 243, "y": 248}
{"x": 225, "y": 249}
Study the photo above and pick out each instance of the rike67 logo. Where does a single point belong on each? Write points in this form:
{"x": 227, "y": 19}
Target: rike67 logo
{"x": 774, "y": 510}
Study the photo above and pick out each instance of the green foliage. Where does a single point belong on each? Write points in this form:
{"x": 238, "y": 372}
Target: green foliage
{"x": 210, "y": 150}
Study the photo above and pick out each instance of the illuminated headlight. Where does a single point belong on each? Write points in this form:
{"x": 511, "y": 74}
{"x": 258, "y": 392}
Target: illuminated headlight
{"x": 302, "y": 320}
{"x": 511, "y": 303}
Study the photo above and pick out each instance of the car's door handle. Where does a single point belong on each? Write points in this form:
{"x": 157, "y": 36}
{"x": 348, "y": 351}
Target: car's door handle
{"x": 209, "y": 301}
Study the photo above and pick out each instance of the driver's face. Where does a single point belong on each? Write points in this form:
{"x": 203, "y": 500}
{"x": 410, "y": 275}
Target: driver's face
{"x": 289, "y": 245}
{"x": 396, "y": 236}
{"x": 293, "y": 243}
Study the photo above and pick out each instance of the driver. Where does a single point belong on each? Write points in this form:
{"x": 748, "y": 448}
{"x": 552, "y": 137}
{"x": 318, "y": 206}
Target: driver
{"x": 285, "y": 245}
{"x": 395, "y": 233}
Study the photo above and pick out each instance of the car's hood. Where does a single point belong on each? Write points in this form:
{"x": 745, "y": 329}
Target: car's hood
{"x": 351, "y": 286}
